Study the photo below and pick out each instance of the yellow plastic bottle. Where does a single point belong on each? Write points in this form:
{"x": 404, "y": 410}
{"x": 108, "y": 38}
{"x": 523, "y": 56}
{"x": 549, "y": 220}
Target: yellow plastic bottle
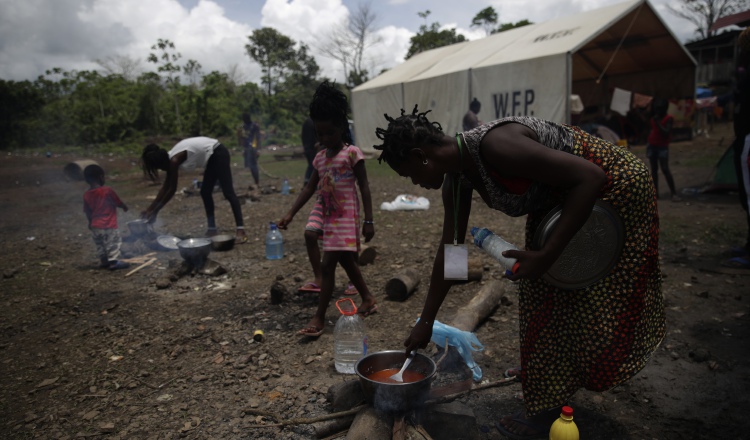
{"x": 564, "y": 428}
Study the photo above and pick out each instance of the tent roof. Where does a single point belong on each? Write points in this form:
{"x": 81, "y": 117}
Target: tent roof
{"x": 741, "y": 19}
{"x": 631, "y": 29}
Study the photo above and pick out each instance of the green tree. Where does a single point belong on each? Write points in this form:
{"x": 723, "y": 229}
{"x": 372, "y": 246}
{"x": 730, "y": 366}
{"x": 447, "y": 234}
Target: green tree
{"x": 486, "y": 19}
{"x": 431, "y": 37}
{"x": 273, "y": 51}
{"x": 20, "y": 103}
{"x": 166, "y": 60}
{"x": 508, "y": 26}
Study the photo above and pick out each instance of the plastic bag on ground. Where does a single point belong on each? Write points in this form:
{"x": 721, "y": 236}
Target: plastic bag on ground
{"x": 464, "y": 342}
{"x": 406, "y": 202}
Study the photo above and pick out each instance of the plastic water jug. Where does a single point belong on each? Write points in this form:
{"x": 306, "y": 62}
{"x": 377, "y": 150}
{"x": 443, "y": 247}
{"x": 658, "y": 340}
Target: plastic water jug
{"x": 274, "y": 243}
{"x": 495, "y": 246}
{"x": 564, "y": 427}
{"x": 285, "y": 187}
{"x": 349, "y": 337}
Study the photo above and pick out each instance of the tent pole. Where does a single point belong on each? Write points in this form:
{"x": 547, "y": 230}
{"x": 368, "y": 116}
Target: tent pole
{"x": 568, "y": 86}
{"x": 471, "y": 95}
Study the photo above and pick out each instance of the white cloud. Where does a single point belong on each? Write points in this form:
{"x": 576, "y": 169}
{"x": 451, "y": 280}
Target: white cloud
{"x": 36, "y": 35}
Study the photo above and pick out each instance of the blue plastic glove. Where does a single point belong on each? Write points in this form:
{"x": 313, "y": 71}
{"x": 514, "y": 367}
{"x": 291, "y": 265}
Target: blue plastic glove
{"x": 465, "y": 342}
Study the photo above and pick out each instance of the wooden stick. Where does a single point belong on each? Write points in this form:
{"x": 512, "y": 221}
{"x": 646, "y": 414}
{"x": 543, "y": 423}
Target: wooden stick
{"x": 485, "y": 386}
{"x": 302, "y": 421}
{"x": 147, "y": 263}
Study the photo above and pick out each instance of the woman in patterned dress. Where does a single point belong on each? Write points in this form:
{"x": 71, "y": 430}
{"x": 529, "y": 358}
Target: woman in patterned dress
{"x": 596, "y": 337}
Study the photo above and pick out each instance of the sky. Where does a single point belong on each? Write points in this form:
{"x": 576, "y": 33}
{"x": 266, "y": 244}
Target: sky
{"x": 37, "y": 35}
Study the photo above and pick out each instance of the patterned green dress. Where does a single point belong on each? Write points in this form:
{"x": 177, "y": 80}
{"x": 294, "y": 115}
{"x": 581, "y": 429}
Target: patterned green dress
{"x": 602, "y": 335}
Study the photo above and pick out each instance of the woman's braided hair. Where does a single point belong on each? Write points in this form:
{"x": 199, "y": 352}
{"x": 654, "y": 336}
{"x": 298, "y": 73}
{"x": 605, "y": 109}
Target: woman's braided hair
{"x": 330, "y": 104}
{"x": 406, "y": 133}
{"x": 150, "y": 158}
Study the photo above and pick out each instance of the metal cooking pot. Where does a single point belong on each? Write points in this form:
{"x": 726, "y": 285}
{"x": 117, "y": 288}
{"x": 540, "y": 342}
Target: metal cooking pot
{"x": 395, "y": 397}
{"x": 139, "y": 227}
{"x": 223, "y": 242}
{"x": 195, "y": 250}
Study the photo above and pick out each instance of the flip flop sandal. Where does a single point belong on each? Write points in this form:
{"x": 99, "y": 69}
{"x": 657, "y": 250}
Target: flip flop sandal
{"x": 371, "y": 311}
{"x": 512, "y": 372}
{"x": 737, "y": 263}
{"x": 351, "y": 290}
{"x": 311, "y": 331}
{"x": 310, "y": 287}
{"x": 542, "y": 432}
{"x": 241, "y": 240}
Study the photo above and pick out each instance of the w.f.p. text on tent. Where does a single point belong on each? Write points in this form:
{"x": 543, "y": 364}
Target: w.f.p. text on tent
{"x": 534, "y": 70}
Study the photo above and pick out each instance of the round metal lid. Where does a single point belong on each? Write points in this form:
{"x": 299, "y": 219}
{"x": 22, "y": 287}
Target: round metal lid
{"x": 168, "y": 241}
{"x": 593, "y": 251}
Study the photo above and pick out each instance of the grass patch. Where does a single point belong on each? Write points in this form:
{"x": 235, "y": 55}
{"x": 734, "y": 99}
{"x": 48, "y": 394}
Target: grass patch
{"x": 297, "y": 167}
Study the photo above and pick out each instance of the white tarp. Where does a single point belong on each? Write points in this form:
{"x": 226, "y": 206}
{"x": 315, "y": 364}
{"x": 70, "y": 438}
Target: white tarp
{"x": 532, "y": 70}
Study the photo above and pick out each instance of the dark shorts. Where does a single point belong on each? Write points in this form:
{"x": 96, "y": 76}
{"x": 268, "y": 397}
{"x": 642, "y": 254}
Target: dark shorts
{"x": 657, "y": 152}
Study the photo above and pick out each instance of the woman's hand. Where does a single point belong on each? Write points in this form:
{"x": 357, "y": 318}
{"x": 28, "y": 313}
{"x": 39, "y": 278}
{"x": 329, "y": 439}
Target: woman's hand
{"x": 148, "y": 215}
{"x": 419, "y": 337}
{"x": 531, "y": 264}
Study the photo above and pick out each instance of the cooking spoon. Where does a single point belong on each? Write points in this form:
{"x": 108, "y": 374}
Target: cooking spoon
{"x": 399, "y": 377}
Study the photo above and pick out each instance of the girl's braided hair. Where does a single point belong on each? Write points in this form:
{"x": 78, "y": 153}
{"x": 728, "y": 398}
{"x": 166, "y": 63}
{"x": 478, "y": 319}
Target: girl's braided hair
{"x": 330, "y": 104}
{"x": 406, "y": 133}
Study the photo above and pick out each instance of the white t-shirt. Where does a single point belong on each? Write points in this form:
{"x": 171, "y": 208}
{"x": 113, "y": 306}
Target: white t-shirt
{"x": 199, "y": 150}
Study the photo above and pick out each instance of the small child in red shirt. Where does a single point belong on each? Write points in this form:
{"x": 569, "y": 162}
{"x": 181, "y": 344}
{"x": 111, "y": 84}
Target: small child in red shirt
{"x": 100, "y": 204}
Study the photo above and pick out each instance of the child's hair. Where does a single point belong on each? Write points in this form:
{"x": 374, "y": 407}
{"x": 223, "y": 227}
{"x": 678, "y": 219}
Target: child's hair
{"x": 93, "y": 174}
{"x": 246, "y": 118}
{"x": 330, "y": 104}
{"x": 406, "y": 133}
{"x": 152, "y": 156}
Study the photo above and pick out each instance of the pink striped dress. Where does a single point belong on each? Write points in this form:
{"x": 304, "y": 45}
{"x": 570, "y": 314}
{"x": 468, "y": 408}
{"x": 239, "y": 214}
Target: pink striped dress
{"x": 338, "y": 198}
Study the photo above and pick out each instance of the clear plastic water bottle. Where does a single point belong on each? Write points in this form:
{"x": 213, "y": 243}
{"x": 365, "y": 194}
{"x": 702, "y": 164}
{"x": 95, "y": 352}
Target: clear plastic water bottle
{"x": 349, "y": 337}
{"x": 495, "y": 246}
{"x": 285, "y": 187}
{"x": 564, "y": 427}
{"x": 274, "y": 243}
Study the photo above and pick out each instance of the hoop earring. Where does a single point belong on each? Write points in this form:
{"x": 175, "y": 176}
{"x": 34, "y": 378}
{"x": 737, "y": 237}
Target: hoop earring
{"x": 425, "y": 162}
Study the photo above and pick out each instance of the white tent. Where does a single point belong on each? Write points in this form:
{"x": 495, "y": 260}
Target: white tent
{"x": 533, "y": 70}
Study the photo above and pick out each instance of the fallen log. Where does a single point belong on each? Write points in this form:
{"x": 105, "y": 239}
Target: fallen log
{"x": 476, "y": 269}
{"x": 401, "y": 286}
{"x": 481, "y": 306}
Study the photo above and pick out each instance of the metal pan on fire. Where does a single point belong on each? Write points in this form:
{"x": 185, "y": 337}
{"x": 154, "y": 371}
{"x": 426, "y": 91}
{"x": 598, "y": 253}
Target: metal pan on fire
{"x": 593, "y": 251}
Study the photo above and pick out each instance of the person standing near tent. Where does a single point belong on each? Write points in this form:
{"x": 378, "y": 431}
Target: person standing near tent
{"x": 471, "y": 118}
{"x": 248, "y": 136}
{"x": 741, "y": 144}
{"x": 595, "y": 337}
{"x": 309, "y": 141}
{"x": 657, "y": 146}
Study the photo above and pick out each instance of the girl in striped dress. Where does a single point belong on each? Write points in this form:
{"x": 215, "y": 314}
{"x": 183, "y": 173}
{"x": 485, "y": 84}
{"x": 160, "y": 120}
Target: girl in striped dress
{"x": 338, "y": 169}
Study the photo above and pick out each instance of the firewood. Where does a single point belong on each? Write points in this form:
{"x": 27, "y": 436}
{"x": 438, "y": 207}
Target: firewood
{"x": 401, "y": 286}
{"x": 481, "y": 306}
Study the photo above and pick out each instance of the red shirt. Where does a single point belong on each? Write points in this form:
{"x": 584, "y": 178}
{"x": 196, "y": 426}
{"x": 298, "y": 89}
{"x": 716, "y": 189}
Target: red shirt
{"x": 656, "y": 138}
{"x": 101, "y": 205}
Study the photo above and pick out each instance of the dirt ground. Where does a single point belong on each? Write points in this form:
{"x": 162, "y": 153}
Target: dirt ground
{"x": 87, "y": 352}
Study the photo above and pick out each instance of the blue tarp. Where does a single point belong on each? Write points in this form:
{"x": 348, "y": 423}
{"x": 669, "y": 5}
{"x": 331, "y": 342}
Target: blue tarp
{"x": 701, "y": 92}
